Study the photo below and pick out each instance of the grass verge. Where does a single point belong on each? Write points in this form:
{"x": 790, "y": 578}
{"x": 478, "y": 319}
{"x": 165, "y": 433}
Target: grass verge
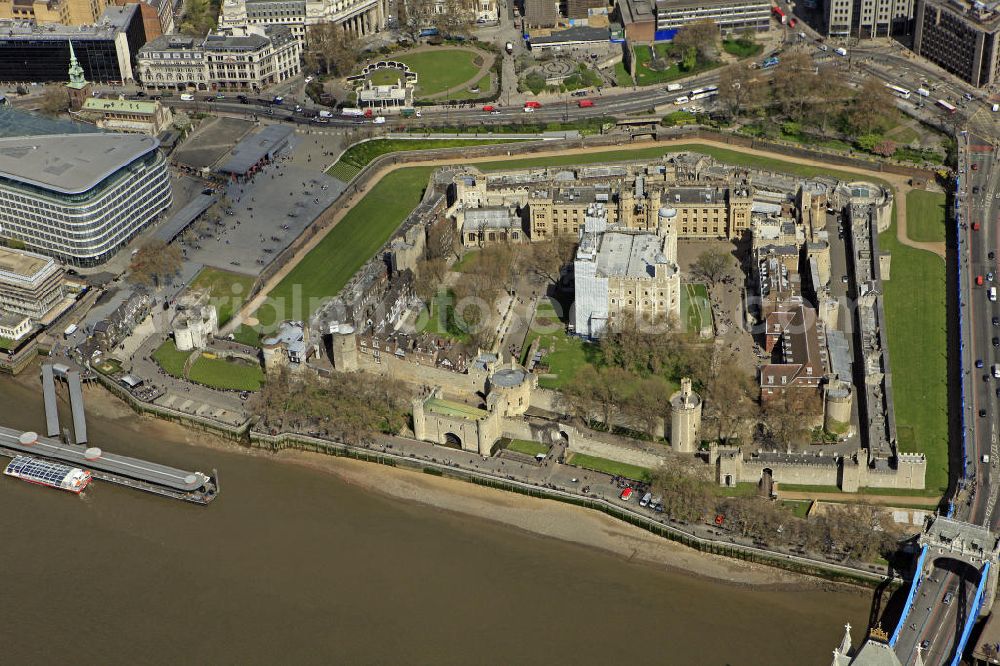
{"x": 527, "y": 447}
{"x": 171, "y": 359}
{"x": 608, "y": 466}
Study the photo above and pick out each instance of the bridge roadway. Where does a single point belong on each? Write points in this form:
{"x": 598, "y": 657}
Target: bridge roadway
{"x": 109, "y": 463}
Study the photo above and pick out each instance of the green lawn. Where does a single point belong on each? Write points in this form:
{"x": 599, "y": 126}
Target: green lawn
{"x": 741, "y": 48}
{"x": 171, "y": 360}
{"x": 645, "y": 76}
{"x": 609, "y": 466}
{"x": 739, "y": 490}
{"x": 798, "y": 508}
{"x": 622, "y": 77}
{"x": 109, "y": 366}
{"x": 439, "y": 319}
{"x": 925, "y": 216}
{"x": 386, "y": 77}
{"x": 696, "y": 311}
{"x": 440, "y": 69}
{"x": 227, "y": 290}
{"x": 570, "y": 352}
{"x": 247, "y": 335}
{"x": 233, "y": 374}
{"x": 467, "y": 264}
{"x": 527, "y": 447}
{"x": 360, "y": 154}
{"x": 918, "y": 348}
{"x": 326, "y": 269}
{"x": 485, "y": 85}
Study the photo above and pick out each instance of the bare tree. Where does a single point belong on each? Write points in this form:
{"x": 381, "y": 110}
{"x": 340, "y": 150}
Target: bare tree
{"x": 872, "y": 109}
{"x": 791, "y": 415}
{"x": 739, "y": 89}
{"x": 154, "y": 262}
{"x": 414, "y": 16}
{"x": 331, "y": 49}
{"x": 702, "y": 36}
{"x": 547, "y": 258}
{"x": 711, "y": 265}
{"x": 54, "y": 100}
{"x": 729, "y": 398}
{"x": 797, "y": 87}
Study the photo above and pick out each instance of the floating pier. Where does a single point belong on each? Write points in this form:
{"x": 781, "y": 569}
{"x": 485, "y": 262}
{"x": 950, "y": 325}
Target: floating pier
{"x": 140, "y": 474}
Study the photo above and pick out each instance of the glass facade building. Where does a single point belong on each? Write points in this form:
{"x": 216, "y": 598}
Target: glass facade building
{"x": 86, "y": 221}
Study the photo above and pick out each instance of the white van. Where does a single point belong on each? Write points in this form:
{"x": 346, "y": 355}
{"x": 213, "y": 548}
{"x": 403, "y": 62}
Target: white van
{"x": 673, "y": 87}
{"x": 993, "y": 294}
{"x": 840, "y": 51}
{"x": 995, "y": 368}
{"x": 325, "y": 114}
{"x": 379, "y": 120}
{"x": 683, "y": 99}
{"x": 986, "y": 458}
{"x": 187, "y": 97}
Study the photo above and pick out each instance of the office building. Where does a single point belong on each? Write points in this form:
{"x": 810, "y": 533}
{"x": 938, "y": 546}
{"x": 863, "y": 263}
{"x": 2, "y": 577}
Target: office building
{"x": 66, "y": 12}
{"x": 157, "y": 16}
{"x": 80, "y": 197}
{"x": 868, "y": 19}
{"x": 960, "y": 37}
{"x": 30, "y": 284}
{"x": 732, "y": 16}
{"x": 237, "y": 59}
{"x": 359, "y": 17}
{"x": 40, "y": 53}
{"x": 624, "y": 273}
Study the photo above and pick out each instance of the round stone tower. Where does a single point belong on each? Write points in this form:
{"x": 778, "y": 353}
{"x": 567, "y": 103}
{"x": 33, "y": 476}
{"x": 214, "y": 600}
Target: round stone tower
{"x": 685, "y": 418}
{"x": 838, "y": 400}
{"x": 513, "y": 383}
{"x": 667, "y": 227}
{"x": 344, "y": 348}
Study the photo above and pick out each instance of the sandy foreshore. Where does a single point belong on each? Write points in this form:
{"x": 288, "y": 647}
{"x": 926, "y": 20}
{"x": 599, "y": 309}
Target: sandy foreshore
{"x": 547, "y": 518}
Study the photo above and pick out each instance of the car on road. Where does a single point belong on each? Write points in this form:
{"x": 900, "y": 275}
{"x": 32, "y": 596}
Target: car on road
{"x": 580, "y": 93}
{"x": 975, "y": 167}
{"x": 948, "y": 597}
{"x": 925, "y": 644}
{"x": 992, "y": 255}
{"x": 989, "y": 276}
{"x": 532, "y": 104}
{"x": 979, "y": 280}
{"x": 975, "y": 226}
{"x": 979, "y": 362}
{"x": 996, "y": 341}
{"x": 843, "y": 278}
{"x": 309, "y": 80}
{"x": 996, "y": 321}
{"x": 626, "y": 494}
{"x": 982, "y": 412}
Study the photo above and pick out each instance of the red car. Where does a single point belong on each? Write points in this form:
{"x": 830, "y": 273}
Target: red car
{"x": 487, "y": 109}
{"x": 979, "y": 280}
{"x": 585, "y": 103}
{"x": 626, "y": 494}
{"x": 975, "y": 226}
{"x": 531, "y": 104}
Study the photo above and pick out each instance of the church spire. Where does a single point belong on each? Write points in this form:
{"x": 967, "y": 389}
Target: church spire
{"x": 76, "y": 75}
{"x": 845, "y": 643}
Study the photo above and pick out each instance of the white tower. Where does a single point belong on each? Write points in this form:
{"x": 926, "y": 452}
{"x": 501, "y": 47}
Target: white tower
{"x": 667, "y": 228}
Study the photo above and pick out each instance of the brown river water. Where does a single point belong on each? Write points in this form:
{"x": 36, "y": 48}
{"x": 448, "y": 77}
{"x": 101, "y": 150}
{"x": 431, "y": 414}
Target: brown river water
{"x": 291, "y": 565}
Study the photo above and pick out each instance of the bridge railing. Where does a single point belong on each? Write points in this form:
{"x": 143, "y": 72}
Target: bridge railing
{"x": 977, "y": 604}
{"x": 908, "y": 606}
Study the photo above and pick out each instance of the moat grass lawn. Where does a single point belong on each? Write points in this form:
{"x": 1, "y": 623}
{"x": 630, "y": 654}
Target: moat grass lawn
{"x": 607, "y": 466}
{"x": 222, "y": 373}
{"x": 925, "y": 216}
{"x": 527, "y": 447}
{"x": 170, "y": 359}
{"x": 696, "y": 311}
{"x": 440, "y": 69}
{"x": 360, "y": 154}
{"x": 227, "y": 290}
{"x": 918, "y": 349}
{"x": 325, "y": 270}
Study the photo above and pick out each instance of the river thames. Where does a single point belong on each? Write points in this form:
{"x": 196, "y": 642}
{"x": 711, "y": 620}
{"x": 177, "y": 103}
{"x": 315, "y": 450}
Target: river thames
{"x": 293, "y": 566}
